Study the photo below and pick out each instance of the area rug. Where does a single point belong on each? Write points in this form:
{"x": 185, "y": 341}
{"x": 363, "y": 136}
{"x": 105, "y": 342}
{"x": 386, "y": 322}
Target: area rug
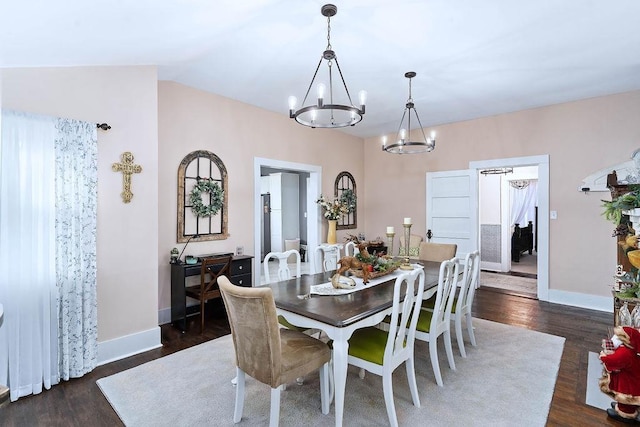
{"x": 595, "y": 397}
{"x": 509, "y": 366}
{"x": 525, "y": 285}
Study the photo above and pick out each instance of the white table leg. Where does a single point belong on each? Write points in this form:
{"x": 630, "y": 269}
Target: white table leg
{"x": 340, "y": 362}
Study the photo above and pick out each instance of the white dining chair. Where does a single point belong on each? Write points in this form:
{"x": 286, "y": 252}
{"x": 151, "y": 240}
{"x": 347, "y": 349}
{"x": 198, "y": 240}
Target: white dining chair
{"x": 350, "y": 249}
{"x": 437, "y": 322}
{"x": 462, "y": 306}
{"x": 325, "y": 257}
{"x": 382, "y": 351}
{"x": 284, "y": 271}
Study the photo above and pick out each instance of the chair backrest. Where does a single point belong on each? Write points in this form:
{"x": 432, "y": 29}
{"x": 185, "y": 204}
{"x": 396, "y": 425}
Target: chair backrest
{"x": 414, "y": 246}
{"x": 254, "y": 329}
{"x": 325, "y": 258}
{"x": 210, "y": 270}
{"x": 437, "y": 252}
{"x": 407, "y": 300}
{"x": 447, "y": 285}
{"x": 284, "y": 272}
{"x": 470, "y": 274}
{"x": 350, "y": 249}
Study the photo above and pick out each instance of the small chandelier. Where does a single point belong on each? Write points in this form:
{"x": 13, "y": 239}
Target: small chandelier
{"x": 403, "y": 144}
{"x": 496, "y": 171}
{"x": 519, "y": 184}
{"x": 327, "y": 115}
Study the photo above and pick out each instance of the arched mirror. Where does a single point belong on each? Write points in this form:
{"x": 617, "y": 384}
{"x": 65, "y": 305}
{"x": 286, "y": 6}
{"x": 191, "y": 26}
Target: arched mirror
{"x": 345, "y": 191}
{"x": 203, "y": 194}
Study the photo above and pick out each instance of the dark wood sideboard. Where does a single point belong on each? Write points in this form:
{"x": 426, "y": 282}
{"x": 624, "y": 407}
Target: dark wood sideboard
{"x": 241, "y": 275}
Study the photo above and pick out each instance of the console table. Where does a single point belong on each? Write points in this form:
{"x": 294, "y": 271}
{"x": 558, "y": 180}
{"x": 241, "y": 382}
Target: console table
{"x": 241, "y": 275}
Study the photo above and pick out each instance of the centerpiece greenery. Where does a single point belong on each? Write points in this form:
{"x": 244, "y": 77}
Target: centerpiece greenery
{"x": 379, "y": 264}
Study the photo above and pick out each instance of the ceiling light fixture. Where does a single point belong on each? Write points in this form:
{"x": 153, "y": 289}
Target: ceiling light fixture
{"x": 519, "y": 184}
{"x": 496, "y": 171}
{"x": 328, "y": 115}
{"x": 403, "y": 144}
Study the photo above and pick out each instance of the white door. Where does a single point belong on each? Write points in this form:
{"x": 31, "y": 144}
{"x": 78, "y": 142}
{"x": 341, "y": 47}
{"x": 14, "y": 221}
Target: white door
{"x": 452, "y": 209}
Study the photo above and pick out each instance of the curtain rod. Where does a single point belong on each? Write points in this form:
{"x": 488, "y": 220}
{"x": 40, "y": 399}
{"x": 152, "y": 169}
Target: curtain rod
{"x": 103, "y": 126}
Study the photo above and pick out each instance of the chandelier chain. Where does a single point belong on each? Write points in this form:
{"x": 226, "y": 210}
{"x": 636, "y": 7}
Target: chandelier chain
{"x": 328, "y": 33}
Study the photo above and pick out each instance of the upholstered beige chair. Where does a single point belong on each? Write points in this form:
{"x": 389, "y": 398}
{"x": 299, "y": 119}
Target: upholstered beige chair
{"x": 414, "y": 246}
{"x": 437, "y": 251}
{"x": 266, "y": 352}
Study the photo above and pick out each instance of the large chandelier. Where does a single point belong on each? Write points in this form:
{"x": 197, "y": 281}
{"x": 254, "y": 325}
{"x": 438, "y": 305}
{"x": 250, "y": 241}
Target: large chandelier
{"x": 328, "y": 115}
{"x": 404, "y": 144}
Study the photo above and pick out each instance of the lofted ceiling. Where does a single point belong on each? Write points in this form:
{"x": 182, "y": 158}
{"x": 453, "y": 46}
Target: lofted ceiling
{"x": 472, "y": 59}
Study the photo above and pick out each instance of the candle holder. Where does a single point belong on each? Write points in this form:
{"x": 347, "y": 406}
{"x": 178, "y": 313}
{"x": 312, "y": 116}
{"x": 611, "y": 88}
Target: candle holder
{"x": 406, "y": 265}
{"x": 390, "y": 243}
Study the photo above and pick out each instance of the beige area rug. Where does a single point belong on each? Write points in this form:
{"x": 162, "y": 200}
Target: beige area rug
{"x": 192, "y": 387}
{"x": 519, "y": 284}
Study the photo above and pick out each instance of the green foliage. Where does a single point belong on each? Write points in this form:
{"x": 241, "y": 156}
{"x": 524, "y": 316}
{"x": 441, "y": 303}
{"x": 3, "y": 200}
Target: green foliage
{"x": 613, "y": 209}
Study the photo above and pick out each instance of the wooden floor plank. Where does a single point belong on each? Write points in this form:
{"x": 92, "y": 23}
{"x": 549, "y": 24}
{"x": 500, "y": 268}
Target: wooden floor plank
{"x": 79, "y": 402}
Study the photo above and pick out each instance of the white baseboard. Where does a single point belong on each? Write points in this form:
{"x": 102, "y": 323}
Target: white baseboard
{"x": 575, "y": 299}
{"x": 129, "y": 345}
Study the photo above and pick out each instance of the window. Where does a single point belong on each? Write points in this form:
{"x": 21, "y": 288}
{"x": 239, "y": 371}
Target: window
{"x": 345, "y": 190}
{"x": 203, "y": 195}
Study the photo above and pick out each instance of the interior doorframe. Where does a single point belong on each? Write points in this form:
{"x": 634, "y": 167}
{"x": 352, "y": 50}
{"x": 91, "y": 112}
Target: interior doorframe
{"x": 542, "y": 162}
{"x": 313, "y": 193}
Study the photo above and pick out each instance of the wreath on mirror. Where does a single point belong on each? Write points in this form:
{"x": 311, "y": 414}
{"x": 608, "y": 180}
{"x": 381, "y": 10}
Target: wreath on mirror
{"x": 216, "y": 198}
{"x": 348, "y": 198}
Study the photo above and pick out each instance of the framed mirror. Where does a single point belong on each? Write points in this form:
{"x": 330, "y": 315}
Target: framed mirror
{"x": 345, "y": 190}
{"x": 203, "y": 194}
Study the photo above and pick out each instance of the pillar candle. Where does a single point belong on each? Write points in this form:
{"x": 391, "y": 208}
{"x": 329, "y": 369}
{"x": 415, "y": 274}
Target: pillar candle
{"x": 407, "y": 220}
{"x": 390, "y": 230}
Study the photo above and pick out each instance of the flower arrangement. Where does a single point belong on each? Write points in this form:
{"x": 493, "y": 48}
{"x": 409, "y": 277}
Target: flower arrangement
{"x": 333, "y": 210}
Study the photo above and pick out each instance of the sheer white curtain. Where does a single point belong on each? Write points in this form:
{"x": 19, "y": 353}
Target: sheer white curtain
{"x": 523, "y": 204}
{"x": 76, "y": 228}
{"x": 38, "y": 270}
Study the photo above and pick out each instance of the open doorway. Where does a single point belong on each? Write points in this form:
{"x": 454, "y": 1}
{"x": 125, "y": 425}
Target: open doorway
{"x": 496, "y": 243}
{"x": 307, "y": 229}
{"x": 508, "y": 207}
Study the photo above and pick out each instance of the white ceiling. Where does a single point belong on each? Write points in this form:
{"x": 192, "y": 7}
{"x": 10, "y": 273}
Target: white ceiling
{"x": 472, "y": 58}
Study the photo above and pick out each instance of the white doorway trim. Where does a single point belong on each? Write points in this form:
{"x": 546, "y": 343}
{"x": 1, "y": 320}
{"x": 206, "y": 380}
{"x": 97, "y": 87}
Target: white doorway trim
{"x": 313, "y": 192}
{"x": 542, "y": 162}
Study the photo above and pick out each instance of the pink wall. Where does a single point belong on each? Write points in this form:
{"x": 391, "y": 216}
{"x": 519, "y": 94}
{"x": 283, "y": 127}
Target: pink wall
{"x": 579, "y": 137}
{"x": 190, "y": 119}
{"x": 162, "y": 122}
{"x": 126, "y": 98}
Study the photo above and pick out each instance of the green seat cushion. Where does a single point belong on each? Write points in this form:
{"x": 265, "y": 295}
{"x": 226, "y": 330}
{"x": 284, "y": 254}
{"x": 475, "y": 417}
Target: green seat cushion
{"x": 424, "y": 320}
{"x": 288, "y": 325}
{"x": 430, "y": 304}
{"x": 368, "y": 344}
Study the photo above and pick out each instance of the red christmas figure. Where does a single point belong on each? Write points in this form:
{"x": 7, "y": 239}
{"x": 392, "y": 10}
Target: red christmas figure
{"x": 621, "y": 379}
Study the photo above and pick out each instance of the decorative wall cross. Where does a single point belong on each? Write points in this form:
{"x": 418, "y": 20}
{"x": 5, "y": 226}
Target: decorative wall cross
{"x": 127, "y": 167}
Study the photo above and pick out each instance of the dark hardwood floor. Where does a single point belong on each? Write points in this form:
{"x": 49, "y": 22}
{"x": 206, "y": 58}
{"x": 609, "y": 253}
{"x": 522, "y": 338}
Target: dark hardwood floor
{"x": 79, "y": 402}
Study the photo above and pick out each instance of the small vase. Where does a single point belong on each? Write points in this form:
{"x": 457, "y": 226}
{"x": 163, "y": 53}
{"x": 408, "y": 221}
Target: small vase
{"x": 331, "y": 233}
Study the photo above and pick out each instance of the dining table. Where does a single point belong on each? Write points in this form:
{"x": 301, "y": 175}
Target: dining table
{"x": 338, "y": 316}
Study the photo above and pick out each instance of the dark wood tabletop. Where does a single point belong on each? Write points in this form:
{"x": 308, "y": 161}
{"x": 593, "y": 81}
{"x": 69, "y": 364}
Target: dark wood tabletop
{"x": 341, "y": 310}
